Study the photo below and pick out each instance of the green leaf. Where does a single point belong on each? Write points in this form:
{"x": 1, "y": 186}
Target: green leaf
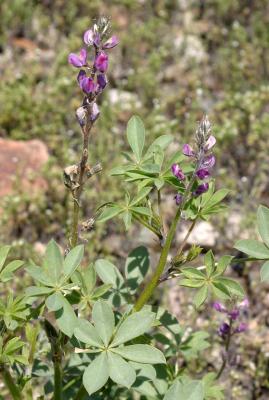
{"x": 265, "y": 272}
{"x": 104, "y": 321}
{"x": 109, "y": 212}
{"x": 53, "y": 261}
{"x": 190, "y": 390}
{"x": 7, "y": 273}
{"x": 201, "y": 296}
{"x": 234, "y": 288}
{"x": 162, "y": 142}
{"x": 253, "y": 248}
{"x": 120, "y": 371}
{"x": 136, "y": 267}
{"x": 73, "y": 260}
{"x": 108, "y": 273}
{"x": 54, "y": 302}
{"x": 142, "y": 211}
{"x": 210, "y": 263}
{"x": 216, "y": 198}
{"x": 142, "y": 353}
{"x": 193, "y": 273}
{"x": 4, "y": 250}
{"x": 96, "y": 374}
{"x": 133, "y": 326}
{"x": 100, "y": 291}
{"x": 40, "y": 275}
{"x": 223, "y": 264}
{"x": 33, "y": 291}
{"x": 136, "y": 136}
{"x": 87, "y": 333}
{"x": 263, "y": 223}
{"x": 127, "y": 219}
{"x": 66, "y": 317}
{"x": 140, "y": 196}
{"x": 192, "y": 283}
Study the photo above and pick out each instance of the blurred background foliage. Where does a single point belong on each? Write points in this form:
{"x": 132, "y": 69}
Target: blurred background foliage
{"x": 177, "y": 59}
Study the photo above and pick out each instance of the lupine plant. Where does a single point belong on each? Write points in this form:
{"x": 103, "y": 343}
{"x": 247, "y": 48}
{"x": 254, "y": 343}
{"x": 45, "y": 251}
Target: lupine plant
{"x": 94, "y": 331}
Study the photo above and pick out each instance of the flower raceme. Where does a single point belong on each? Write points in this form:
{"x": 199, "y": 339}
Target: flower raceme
{"x": 91, "y": 77}
{"x": 233, "y": 314}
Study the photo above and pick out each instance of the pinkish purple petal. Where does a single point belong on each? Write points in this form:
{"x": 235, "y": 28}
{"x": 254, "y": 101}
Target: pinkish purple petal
{"x": 203, "y": 173}
{"x": 219, "y": 307}
{"x": 101, "y": 62}
{"x": 83, "y": 56}
{"x": 211, "y": 141}
{"x": 81, "y": 75}
{"x": 188, "y": 150}
{"x": 87, "y": 85}
{"x": 208, "y": 161}
{"x": 111, "y": 42}
{"x": 88, "y": 37}
{"x": 201, "y": 189}
{"x": 94, "y": 112}
{"x": 178, "y": 197}
{"x": 177, "y": 172}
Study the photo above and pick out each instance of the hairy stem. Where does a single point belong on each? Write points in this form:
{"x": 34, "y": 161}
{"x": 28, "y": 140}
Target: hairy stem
{"x": 14, "y": 390}
{"x": 58, "y": 376}
{"x": 77, "y": 192}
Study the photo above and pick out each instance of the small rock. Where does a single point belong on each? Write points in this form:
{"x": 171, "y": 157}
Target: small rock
{"x": 21, "y": 165}
{"x": 203, "y": 235}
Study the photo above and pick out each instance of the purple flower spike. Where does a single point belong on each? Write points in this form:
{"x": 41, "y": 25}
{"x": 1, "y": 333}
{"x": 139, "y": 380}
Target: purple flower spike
{"x": 188, "y": 150}
{"x": 201, "y": 189}
{"x": 111, "y": 42}
{"x": 203, "y": 173}
{"x": 78, "y": 61}
{"x": 95, "y": 112}
{"x": 219, "y": 307}
{"x": 224, "y": 329}
{"x": 101, "y": 62}
{"x": 87, "y": 85}
{"x": 211, "y": 141}
{"x": 177, "y": 172}
{"x": 208, "y": 162}
{"x": 234, "y": 314}
{"x": 101, "y": 81}
{"x": 241, "y": 328}
{"x": 178, "y": 197}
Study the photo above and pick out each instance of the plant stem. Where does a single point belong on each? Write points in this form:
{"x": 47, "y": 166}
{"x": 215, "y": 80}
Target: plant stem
{"x": 81, "y": 393}
{"x": 10, "y": 384}
{"x": 153, "y": 283}
{"x": 227, "y": 345}
{"x": 148, "y": 226}
{"x": 77, "y": 192}
{"x": 58, "y": 372}
{"x": 186, "y": 237}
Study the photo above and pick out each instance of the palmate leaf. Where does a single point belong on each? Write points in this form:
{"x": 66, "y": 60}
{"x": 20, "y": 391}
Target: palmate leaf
{"x": 7, "y": 272}
{"x": 4, "y": 250}
{"x": 120, "y": 371}
{"x": 189, "y": 390}
{"x": 263, "y": 223}
{"x": 136, "y": 136}
{"x": 87, "y": 333}
{"x": 133, "y": 326}
{"x": 253, "y": 248}
{"x": 96, "y": 374}
{"x": 53, "y": 262}
{"x": 141, "y": 353}
{"x": 265, "y": 272}
{"x": 104, "y": 320}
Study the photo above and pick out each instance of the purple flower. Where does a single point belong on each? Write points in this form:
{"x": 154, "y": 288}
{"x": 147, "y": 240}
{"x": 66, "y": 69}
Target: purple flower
{"x": 94, "y": 112}
{"x": 201, "y": 189}
{"x": 78, "y": 61}
{"x": 234, "y": 314}
{"x": 188, "y": 150}
{"x": 224, "y": 329}
{"x": 101, "y": 81}
{"x": 203, "y": 173}
{"x": 242, "y": 327}
{"x": 178, "y": 197}
{"x": 101, "y": 62}
{"x": 91, "y": 38}
{"x": 219, "y": 307}
{"x": 177, "y": 172}
{"x": 211, "y": 141}
{"x": 208, "y": 161}
{"x": 87, "y": 84}
{"x": 111, "y": 42}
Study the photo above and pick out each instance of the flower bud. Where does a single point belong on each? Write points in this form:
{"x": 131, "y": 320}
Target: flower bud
{"x": 202, "y": 173}
{"x": 242, "y": 327}
{"x": 224, "y": 329}
{"x": 178, "y": 197}
{"x": 219, "y": 307}
{"x": 201, "y": 189}
{"x": 187, "y": 150}
{"x": 95, "y": 112}
{"x": 234, "y": 314}
{"x": 101, "y": 62}
{"x": 211, "y": 141}
{"x": 111, "y": 42}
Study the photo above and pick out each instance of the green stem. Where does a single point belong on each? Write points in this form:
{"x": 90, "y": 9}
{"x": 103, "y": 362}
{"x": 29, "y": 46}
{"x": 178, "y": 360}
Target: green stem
{"x": 153, "y": 283}
{"x": 81, "y": 393}
{"x": 10, "y": 384}
{"x": 149, "y": 289}
{"x": 58, "y": 376}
